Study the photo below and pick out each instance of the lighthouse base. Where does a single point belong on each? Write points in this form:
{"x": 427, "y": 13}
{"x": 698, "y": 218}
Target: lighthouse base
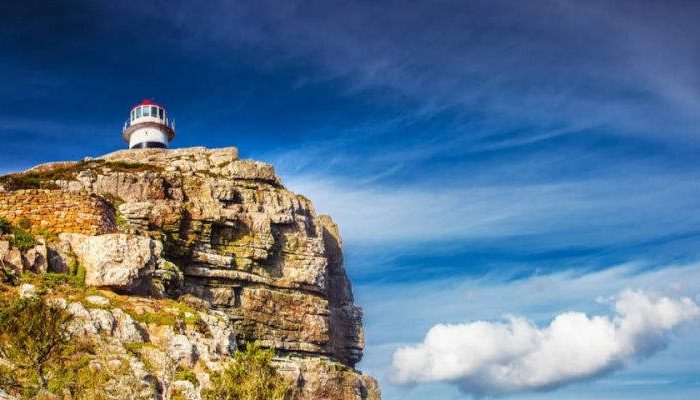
{"x": 149, "y": 145}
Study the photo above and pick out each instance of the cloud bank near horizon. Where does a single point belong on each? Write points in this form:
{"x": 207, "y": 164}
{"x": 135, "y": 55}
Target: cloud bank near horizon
{"x": 496, "y": 358}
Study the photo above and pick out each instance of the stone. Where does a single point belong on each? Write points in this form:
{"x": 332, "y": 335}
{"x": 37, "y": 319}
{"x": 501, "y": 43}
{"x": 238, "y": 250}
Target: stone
{"x": 59, "y": 257}
{"x": 36, "y": 259}
{"x": 4, "y": 248}
{"x": 126, "y": 329}
{"x": 13, "y": 260}
{"x": 122, "y": 262}
{"x": 321, "y": 379}
{"x": 27, "y": 290}
{"x": 82, "y": 323}
{"x": 97, "y": 300}
{"x": 181, "y": 350}
{"x": 184, "y": 389}
{"x": 102, "y": 319}
{"x": 78, "y": 310}
{"x": 59, "y": 302}
{"x": 136, "y": 210}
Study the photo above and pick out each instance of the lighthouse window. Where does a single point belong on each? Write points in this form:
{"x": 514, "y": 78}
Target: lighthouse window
{"x": 160, "y": 113}
{"x": 138, "y": 112}
{"x": 154, "y": 111}
{"x": 146, "y": 111}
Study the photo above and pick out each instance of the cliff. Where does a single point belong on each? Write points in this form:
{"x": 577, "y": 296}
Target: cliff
{"x": 154, "y": 229}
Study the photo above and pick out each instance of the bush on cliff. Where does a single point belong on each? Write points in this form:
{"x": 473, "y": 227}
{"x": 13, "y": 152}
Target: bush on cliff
{"x": 5, "y": 226}
{"x": 23, "y": 239}
{"x": 40, "y": 360}
{"x": 32, "y": 338}
{"x": 249, "y": 376}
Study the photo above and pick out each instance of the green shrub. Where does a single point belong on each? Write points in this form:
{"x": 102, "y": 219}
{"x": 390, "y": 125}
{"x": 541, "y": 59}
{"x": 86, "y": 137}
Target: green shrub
{"x": 26, "y": 181}
{"x": 32, "y": 339}
{"x": 91, "y": 374}
{"x": 5, "y": 226}
{"x": 249, "y": 376}
{"x": 44, "y": 362}
{"x": 133, "y": 348}
{"x": 186, "y": 374}
{"x": 23, "y": 239}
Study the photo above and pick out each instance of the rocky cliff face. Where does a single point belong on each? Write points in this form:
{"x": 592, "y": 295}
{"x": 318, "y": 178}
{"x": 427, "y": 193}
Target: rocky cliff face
{"x": 225, "y": 233}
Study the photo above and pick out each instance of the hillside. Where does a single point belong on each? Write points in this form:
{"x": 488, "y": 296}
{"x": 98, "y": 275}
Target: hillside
{"x": 174, "y": 259}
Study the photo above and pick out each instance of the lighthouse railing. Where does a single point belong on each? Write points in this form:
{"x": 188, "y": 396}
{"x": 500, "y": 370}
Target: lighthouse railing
{"x": 165, "y": 121}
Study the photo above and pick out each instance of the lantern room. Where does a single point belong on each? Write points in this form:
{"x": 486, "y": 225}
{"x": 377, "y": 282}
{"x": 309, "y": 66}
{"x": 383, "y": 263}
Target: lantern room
{"x": 148, "y": 126}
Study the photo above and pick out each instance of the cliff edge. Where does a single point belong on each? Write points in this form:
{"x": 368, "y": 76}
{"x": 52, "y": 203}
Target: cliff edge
{"x": 224, "y": 235}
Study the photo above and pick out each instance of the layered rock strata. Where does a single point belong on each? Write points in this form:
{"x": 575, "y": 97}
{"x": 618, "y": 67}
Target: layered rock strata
{"x": 203, "y": 223}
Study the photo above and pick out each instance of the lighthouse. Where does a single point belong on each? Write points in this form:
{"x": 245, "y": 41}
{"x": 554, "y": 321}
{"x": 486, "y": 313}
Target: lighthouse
{"x": 148, "y": 126}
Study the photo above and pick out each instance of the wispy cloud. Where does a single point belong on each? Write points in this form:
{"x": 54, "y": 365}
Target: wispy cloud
{"x": 586, "y": 212}
{"x": 554, "y": 65}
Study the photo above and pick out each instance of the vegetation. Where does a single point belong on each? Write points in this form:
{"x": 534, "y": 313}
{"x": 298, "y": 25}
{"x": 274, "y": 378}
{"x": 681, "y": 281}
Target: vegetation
{"x": 46, "y": 179}
{"x": 32, "y": 340}
{"x": 94, "y": 375}
{"x": 22, "y": 238}
{"x": 42, "y": 361}
{"x": 48, "y": 235}
{"x": 156, "y": 318}
{"x": 249, "y": 376}
{"x": 5, "y": 226}
{"x": 186, "y": 374}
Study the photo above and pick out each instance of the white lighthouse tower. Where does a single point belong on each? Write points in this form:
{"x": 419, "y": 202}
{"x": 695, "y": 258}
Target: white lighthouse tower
{"x": 148, "y": 127}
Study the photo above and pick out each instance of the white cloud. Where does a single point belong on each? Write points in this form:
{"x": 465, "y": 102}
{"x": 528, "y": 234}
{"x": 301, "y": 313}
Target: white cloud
{"x": 608, "y": 210}
{"x": 492, "y": 358}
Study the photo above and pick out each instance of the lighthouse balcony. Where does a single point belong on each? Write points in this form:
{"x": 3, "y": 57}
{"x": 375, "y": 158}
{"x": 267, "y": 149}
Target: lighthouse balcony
{"x": 131, "y": 122}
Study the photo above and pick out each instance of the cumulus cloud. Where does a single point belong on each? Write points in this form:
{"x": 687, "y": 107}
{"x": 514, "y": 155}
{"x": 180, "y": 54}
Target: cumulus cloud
{"x": 495, "y": 358}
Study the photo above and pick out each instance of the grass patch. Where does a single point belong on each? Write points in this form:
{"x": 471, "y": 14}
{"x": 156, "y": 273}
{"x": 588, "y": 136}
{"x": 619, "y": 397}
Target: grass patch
{"x": 133, "y": 348}
{"x": 22, "y": 239}
{"x": 156, "y": 318}
{"x": 186, "y": 374}
{"x": 122, "y": 166}
{"x": 47, "y": 179}
{"x": 76, "y": 273}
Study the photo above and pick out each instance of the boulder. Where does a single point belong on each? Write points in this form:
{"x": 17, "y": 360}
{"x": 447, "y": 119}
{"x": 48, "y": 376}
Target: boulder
{"x": 11, "y": 257}
{"x": 27, "y": 290}
{"x": 36, "y": 259}
{"x": 126, "y": 330}
{"x": 103, "y": 319}
{"x": 181, "y": 350}
{"x": 97, "y": 300}
{"x": 124, "y": 263}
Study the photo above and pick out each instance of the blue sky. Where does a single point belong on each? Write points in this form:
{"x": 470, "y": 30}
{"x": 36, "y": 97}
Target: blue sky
{"x": 482, "y": 158}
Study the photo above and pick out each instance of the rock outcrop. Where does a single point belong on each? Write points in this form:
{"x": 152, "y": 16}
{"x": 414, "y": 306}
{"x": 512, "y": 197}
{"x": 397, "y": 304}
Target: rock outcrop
{"x": 225, "y": 233}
